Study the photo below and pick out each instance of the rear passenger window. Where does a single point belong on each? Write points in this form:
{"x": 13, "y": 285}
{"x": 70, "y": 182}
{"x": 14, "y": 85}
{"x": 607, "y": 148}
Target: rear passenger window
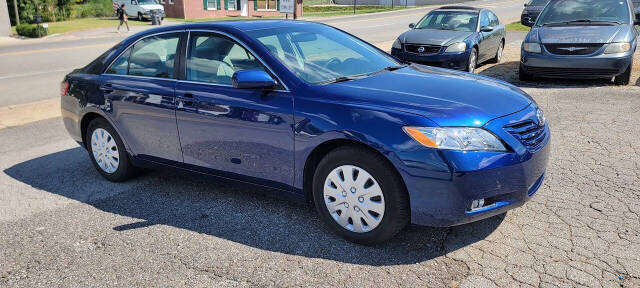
{"x": 121, "y": 65}
{"x": 214, "y": 58}
{"x": 153, "y": 56}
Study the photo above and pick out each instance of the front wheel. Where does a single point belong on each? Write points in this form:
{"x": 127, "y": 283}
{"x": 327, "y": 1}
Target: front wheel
{"x": 473, "y": 61}
{"x": 107, "y": 151}
{"x": 624, "y": 78}
{"x": 140, "y": 18}
{"x": 358, "y": 197}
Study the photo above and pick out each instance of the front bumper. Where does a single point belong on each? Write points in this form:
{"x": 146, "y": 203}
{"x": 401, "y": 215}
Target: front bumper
{"x": 456, "y": 61}
{"x": 595, "y": 66}
{"x": 505, "y": 180}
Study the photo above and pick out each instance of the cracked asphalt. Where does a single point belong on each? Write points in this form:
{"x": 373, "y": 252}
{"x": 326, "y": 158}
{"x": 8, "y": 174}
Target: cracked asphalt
{"x": 62, "y": 225}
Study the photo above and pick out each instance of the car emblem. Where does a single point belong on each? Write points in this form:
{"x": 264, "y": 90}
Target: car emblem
{"x": 571, "y": 49}
{"x": 541, "y": 119}
{"x": 421, "y": 49}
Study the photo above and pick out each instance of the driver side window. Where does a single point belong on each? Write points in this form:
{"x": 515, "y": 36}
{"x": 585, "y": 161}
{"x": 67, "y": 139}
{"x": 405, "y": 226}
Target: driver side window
{"x": 213, "y": 58}
{"x": 484, "y": 19}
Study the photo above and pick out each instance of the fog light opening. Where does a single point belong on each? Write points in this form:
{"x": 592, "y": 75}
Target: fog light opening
{"x": 477, "y": 204}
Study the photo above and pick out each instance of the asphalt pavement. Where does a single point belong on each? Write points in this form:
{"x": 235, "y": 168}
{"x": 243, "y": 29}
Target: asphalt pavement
{"x": 62, "y": 225}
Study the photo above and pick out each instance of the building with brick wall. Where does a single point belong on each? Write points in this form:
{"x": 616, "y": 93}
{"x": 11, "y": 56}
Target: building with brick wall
{"x": 192, "y": 9}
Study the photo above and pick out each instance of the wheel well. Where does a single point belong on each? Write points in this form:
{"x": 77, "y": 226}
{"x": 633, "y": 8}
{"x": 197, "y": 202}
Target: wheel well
{"x": 84, "y": 125}
{"x": 323, "y": 149}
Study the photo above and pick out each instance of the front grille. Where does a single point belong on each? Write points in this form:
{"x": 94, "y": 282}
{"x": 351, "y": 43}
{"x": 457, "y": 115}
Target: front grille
{"x": 428, "y": 49}
{"x": 572, "y": 49}
{"x": 529, "y": 133}
{"x": 571, "y": 72}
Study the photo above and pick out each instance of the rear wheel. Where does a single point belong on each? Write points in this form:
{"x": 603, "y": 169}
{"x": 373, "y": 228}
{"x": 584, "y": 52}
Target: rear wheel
{"x": 623, "y": 79}
{"x": 107, "y": 151}
{"x": 499, "y": 52}
{"x": 358, "y": 198}
{"x": 524, "y": 76}
{"x": 473, "y": 61}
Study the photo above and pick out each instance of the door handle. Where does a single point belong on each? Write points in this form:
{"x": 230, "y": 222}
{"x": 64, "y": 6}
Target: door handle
{"x": 107, "y": 88}
{"x": 188, "y": 99}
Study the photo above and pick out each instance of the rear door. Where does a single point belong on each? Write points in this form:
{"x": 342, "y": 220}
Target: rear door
{"x": 139, "y": 91}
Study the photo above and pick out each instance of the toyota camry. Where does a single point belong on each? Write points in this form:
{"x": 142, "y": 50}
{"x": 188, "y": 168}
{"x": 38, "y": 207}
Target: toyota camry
{"x": 308, "y": 110}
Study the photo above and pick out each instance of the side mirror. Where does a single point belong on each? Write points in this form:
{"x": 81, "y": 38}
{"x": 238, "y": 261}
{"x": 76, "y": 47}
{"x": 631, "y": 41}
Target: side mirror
{"x": 411, "y": 25}
{"x": 486, "y": 29}
{"x": 252, "y": 79}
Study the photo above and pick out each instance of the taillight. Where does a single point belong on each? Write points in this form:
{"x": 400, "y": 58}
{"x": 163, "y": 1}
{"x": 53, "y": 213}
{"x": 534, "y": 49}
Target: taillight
{"x": 64, "y": 87}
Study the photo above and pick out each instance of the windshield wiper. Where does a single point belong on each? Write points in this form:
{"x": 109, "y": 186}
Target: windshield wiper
{"x": 394, "y": 68}
{"x": 339, "y": 79}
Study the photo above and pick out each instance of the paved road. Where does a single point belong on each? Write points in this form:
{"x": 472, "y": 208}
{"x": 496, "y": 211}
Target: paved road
{"x": 33, "y": 71}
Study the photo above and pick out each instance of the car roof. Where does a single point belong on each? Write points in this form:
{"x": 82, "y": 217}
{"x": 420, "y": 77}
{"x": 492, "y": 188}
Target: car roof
{"x": 468, "y": 8}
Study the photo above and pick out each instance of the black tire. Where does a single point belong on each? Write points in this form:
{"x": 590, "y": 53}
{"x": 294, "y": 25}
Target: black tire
{"x": 125, "y": 169}
{"x": 499, "y": 52}
{"x": 140, "y": 18}
{"x": 396, "y": 200}
{"x": 473, "y": 55}
{"x": 624, "y": 78}
{"x": 524, "y": 76}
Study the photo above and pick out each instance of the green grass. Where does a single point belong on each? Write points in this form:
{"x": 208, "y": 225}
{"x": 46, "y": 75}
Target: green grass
{"x": 516, "y": 26}
{"x": 85, "y": 24}
{"x": 335, "y": 10}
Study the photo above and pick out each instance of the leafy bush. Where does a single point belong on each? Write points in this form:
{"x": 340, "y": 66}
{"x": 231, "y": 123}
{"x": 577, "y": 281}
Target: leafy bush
{"x": 93, "y": 9}
{"x": 30, "y": 30}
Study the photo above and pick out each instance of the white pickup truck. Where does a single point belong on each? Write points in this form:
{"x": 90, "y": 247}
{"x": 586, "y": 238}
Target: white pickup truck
{"x": 141, "y": 9}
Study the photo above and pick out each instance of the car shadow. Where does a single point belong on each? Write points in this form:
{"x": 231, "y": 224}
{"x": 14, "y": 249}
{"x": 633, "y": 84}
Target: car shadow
{"x": 233, "y": 211}
{"x": 508, "y": 71}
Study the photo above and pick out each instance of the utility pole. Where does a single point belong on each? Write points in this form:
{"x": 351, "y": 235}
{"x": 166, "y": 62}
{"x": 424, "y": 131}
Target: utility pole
{"x": 15, "y": 12}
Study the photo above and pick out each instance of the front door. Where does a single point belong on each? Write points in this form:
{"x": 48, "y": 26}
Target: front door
{"x": 239, "y": 133}
{"x": 485, "y": 45}
{"x": 139, "y": 89}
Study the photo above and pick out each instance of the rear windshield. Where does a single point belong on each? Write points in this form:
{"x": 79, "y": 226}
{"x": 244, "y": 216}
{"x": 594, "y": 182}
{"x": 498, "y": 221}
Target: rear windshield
{"x": 559, "y": 11}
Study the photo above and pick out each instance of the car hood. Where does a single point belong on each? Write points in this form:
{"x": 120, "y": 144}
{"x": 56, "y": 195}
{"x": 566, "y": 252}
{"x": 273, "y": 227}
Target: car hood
{"x": 447, "y": 97}
{"x": 152, "y": 7}
{"x": 576, "y": 34}
{"x": 433, "y": 36}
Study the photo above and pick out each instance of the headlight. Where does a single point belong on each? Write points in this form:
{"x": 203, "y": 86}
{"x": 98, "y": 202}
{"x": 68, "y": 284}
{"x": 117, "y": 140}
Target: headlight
{"x": 456, "y": 138}
{"x": 532, "y": 47}
{"x": 456, "y": 47}
{"x": 396, "y": 44}
{"x": 617, "y": 48}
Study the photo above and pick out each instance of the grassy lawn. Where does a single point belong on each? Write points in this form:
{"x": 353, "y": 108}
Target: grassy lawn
{"x": 516, "y": 26}
{"x": 335, "y": 10}
{"x": 85, "y": 24}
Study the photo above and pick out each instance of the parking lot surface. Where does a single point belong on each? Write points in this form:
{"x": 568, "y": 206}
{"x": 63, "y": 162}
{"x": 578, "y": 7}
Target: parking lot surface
{"x": 63, "y": 225}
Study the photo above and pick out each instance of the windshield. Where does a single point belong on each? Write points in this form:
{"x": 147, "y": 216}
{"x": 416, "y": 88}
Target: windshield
{"x": 560, "y": 11}
{"x": 320, "y": 54}
{"x": 538, "y": 2}
{"x": 449, "y": 20}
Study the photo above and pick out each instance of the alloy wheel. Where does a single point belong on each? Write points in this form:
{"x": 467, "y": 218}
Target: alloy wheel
{"x": 354, "y": 198}
{"x": 499, "y": 56}
{"x": 472, "y": 62}
{"x": 105, "y": 151}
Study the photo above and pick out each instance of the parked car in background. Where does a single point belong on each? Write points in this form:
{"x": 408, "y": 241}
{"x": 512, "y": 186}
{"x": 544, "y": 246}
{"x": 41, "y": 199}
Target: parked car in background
{"x": 636, "y": 8}
{"x": 455, "y": 37}
{"x": 581, "y": 39}
{"x": 531, "y": 11}
{"x": 374, "y": 143}
{"x": 142, "y": 9}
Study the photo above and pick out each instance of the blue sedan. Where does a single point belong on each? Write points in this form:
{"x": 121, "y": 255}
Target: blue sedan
{"x": 454, "y": 37}
{"x": 310, "y": 111}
